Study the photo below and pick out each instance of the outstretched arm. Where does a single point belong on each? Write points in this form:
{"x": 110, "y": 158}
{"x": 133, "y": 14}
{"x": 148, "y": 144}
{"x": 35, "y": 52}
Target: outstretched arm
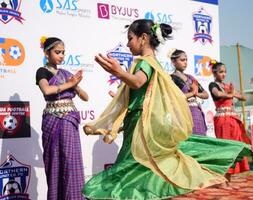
{"x": 112, "y": 66}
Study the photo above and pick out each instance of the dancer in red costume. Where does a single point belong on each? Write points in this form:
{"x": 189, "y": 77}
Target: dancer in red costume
{"x": 227, "y": 124}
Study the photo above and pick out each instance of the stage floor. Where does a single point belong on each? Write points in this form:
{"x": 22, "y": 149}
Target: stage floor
{"x": 240, "y": 188}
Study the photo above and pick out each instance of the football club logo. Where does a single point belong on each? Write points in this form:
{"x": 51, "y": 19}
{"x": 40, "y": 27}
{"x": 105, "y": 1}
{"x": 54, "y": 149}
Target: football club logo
{"x": 9, "y": 9}
{"x": 125, "y": 58}
{"x": 202, "y": 26}
{"x": 201, "y": 66}
{"x": 12, "y": 52}
{"x": 14, "y": 119}
{"x": 14, "y": 179}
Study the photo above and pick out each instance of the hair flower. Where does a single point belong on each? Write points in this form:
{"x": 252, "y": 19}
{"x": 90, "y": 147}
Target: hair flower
{"x": 170, "y": 52}
{"x": 156, "y": 30}
{"x": 42, "y": 41}
{"x": 212, "y": 62}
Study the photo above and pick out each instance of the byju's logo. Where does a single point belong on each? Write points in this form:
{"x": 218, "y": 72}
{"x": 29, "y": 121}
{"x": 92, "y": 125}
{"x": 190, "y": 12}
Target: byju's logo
{"x": 202, "y": 26}
{"x": 201, "y": 65}
{"x": 103, "y": 11}
{"x": 106, "y": 11}
{"x": 10, "y": 10}
{"x": 159, "y": 17}
{"x": 12, "y": 52}
{"x": 14, "y": 179}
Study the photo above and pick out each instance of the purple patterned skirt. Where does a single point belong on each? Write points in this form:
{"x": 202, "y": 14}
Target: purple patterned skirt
{"x": 63, "y": 156}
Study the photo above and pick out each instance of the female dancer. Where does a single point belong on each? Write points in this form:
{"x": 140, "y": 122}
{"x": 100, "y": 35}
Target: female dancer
{"x": 155, "y": 118}
{"x": 191, "y": 88}
{"x": 227, "y": 124}
{"x": 61, "y": 143}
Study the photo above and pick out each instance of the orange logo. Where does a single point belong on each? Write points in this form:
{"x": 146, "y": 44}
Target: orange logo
{"x": 202, "y": 67}
{"x": 12, "y": 52}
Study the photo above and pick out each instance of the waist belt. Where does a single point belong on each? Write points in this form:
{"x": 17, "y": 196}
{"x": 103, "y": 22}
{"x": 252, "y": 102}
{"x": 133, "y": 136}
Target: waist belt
{"x": 60, "y": 107}
{"x": 225, "y": 111}
{"x": 192, "y": 102}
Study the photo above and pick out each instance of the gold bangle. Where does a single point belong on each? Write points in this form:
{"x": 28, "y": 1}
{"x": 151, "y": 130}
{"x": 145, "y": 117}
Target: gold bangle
{"x": 58, "y": 89}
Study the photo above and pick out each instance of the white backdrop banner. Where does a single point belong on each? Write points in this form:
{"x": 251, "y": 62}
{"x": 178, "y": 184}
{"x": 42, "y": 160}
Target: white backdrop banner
{"x": 87, "y": 28}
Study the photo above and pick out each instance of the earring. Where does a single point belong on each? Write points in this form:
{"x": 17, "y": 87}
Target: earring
{"x": 142, "y": 43}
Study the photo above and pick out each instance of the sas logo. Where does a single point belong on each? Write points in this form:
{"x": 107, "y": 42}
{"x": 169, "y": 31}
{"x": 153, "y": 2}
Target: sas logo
{"x": 14, "y": 119}
{"x": 12, "y": 52}
{"x": 159, "y": 17}
{"x": 167, "y": 66}
{"x": 105, "y": 11}
{"x": 14, "y": 179}
{"x": 202, "y": 27}
{"x": 201, "y": 65}
{"x": 64, "y": 7}
{"x": 74, "y": 62}
{"x": 10, "y": 10}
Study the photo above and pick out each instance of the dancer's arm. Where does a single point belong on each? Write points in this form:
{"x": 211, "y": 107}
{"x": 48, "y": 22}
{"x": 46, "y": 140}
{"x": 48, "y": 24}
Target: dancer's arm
{"x": 111, "y": 65}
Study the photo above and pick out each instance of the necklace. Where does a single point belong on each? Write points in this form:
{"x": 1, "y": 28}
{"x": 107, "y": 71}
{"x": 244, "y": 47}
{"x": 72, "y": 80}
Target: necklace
{"x": 52, "y": 69}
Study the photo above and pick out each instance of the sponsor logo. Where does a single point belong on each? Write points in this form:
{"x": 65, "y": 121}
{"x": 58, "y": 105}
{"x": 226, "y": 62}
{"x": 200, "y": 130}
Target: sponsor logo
{"x": 87, "y": 114}
{"x": 167, "y": 66}
{"x": 202, "y": 27}
{"x": 124, "y": 57}
{"x": 159, "y": 17}
{"x": 12, "y": 52}
{"x": 201, "y": 66}
{"x": 103, "y": 11}
{"x": 14, "y": 179}
{"x": 64, "y": 7}
{"x": 14, "y": 119}
{"x": 10, "y": 10}
{"x": 106, "y": 11}
{"x": 74, "y": 62}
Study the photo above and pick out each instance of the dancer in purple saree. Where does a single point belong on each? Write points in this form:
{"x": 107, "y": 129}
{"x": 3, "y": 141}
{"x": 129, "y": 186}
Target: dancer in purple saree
{"x": 191, "y": 88}
{"x": 60, "y": 125}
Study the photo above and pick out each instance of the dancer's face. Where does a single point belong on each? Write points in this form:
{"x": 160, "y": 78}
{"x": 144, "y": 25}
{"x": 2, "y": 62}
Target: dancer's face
{"x": 180, "y": 63}
{"x": 134, "y": 43}
{"x": 220, "y": 75}
{"x": 55, "y": 55}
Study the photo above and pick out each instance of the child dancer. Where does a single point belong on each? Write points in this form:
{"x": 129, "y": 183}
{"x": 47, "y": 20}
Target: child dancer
{"x": 191, "y": 88}
{"x": 61, "y": 143}
{"x": 155, "y": 117}
{"x": 227, "y": 124}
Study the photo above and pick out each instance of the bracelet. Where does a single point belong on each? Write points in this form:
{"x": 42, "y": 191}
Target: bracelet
{"x": 58, "y": 89}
